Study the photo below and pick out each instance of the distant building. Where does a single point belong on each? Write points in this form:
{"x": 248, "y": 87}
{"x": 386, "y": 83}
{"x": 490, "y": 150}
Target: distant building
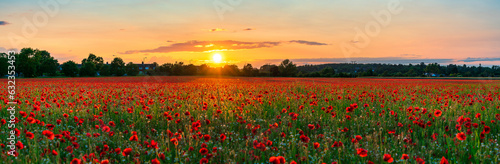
{"x": 145, "y": 67}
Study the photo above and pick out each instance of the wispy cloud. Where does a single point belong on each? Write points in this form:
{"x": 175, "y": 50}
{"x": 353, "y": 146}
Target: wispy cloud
{"x": 469, "y": 59}
{"x": 411, "y": 55}
{"x": 217, "y": 29}
{"x": 248, "y": 29}
{"x": 308, "y": 43}
{"x": 2, "y": 23}
{"x": 208, "y": 46}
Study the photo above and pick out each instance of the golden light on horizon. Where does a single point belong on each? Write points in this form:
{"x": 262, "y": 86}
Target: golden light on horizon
{"x": 217, "y": 58}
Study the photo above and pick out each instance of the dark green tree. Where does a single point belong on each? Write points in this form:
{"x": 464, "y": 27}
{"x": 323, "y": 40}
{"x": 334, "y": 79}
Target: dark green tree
{"x": 275, "y": 71}
{"x": 231, "y": 70}
{"x": 269, "y": 70}
{"x": 248, "y": 70}
{"x": 91, "y": 65}
{"x": 105, "y": 70}
{"x": 190, "y": 70}
{"x": 432, "y": 68}
{"x": 69, "y": 68}
{"x": 46, "y": 64}
{"x": 97, "y": 60}
{"x": 165, "y": 69}
{"x": 4, "y": 64}
{"x": 178, "y": 69}
{"x": 203, "y": 69}
{"x": 287, "y": 68}
{"x": 88, "y": 69}
{"x": 117, "y": 67}
{"x": 26, "y": 63}
{"x": 132, "y": 69}
{"x": 327, "y": 72}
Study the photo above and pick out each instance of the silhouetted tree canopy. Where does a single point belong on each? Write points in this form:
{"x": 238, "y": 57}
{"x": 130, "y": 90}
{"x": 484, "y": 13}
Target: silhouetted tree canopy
{"x": 31, "y": 62}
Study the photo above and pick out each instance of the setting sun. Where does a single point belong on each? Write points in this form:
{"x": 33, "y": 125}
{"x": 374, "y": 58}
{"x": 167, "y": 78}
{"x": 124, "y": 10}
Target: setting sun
{"x": 217, "y": 58}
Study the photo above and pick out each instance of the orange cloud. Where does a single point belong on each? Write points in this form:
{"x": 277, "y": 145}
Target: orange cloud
{"x": 210, "y": 46}
{"x": 217, "y": 29}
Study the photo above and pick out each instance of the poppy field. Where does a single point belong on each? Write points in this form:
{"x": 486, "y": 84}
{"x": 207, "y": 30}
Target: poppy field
{"x": 252, "y": 120}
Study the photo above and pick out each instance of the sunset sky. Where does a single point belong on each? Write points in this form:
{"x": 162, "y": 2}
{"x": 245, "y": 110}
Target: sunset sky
{"x": 258, "y": 31}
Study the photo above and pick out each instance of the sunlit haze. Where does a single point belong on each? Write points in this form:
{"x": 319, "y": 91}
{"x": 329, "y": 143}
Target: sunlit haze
{"x": 259, "y": 32}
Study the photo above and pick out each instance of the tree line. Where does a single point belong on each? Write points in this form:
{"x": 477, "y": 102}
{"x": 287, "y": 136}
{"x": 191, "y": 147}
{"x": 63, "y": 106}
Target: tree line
{"x": 37, "y": 63}
{"x": 397, "y": 70}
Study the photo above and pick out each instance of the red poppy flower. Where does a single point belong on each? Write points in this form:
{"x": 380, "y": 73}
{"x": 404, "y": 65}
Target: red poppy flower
{"x": 19, "y": 145}
{"x": 344, "y": 130}
{"x": 337, "y": 144}
{"x": 405, "y": 157}
{"x": 461, "y": 136}
{"x": 76, "y": 161}
{"x": 349, "y": 109}
{"x": 203, "y": 161}
{"x": 30, "y": 135}
{"x": 50, "y": 126}
{"x": 155, "y": 161}
{"x": 388, "y": 158}
{"x": 162, "y": 156}
{"x": 362, "y": 152}
{"x": 203, "y": 151}
{"x": 49, "y": 134}
{"x": 206, "y": 137}
{"x": 31, "y": 120}
{"x": 174, "y": 141}
{"x": 111, "y": 123}
{"x": 105, "y": 161}
{"x": 105, "y": 129}
{"x": 443, "y": 161}
{"x": 277, "y": 160}
{"x": 281, "y": 159}
{"x": 126, "y": 151}
{"x": 222, "y": 137}
{"x": 438, "y": 113}
{"x": 274, "y": 160}
{"x": 304, "y": 139}
{"x": 420, "y": 161}
{"x": 269, "y": 143}
{"x": 487, "y": 129}
{"x": 316, "y": 145}
{"x": 134, "y": 138}
{"x": 154, "y": 144}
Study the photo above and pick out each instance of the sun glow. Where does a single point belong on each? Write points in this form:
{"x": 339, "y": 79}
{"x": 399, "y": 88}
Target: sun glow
{"x": 217, "y": 58}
